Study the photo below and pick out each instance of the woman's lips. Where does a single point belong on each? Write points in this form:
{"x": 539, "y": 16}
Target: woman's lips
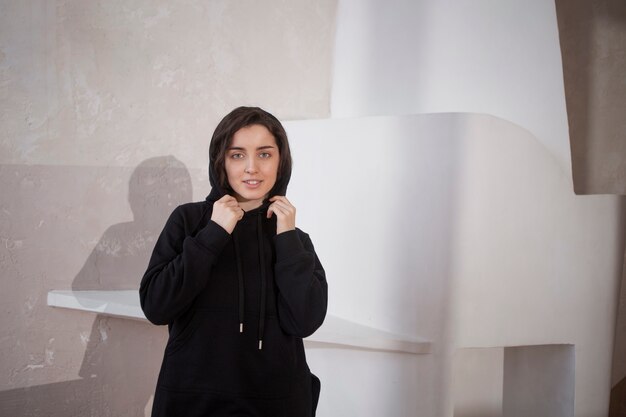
{"x": 252, "y": 183}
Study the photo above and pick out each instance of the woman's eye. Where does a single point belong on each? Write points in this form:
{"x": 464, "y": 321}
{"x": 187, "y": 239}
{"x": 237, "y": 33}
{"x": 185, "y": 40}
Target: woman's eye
{"x": 237, "y": 156}
{"x": 265, "y": 155}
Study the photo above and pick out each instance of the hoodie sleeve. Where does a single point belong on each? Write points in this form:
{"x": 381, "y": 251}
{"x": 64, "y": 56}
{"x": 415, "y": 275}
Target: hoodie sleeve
{"x": 302, "y": 289}
{"x": 179, "y": 268}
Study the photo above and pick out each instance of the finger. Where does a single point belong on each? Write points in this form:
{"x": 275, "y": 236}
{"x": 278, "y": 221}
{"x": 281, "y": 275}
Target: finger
{"x": 270, "y": 210}
{"x": 237, "y": 212}
{"x": 279, "y": 211}
{"x": 286, "y": 208}
{"x": 284, "y": 201}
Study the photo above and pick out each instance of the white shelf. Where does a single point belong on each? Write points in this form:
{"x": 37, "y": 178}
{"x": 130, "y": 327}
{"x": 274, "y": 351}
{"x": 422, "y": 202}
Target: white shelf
{"x": 335, "y": 330}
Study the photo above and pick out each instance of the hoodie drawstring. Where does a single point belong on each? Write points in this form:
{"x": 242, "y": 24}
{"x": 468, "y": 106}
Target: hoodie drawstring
{"x": 263, "y": 282}
{"x": 241, "y": 288}
{"x": 263, "y": 279}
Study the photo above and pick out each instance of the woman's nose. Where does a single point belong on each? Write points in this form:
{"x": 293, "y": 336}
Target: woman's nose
{"x": 250, "y": 166}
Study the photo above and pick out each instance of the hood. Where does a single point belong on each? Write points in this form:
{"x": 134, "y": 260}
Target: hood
{"x": 280, "y": 188}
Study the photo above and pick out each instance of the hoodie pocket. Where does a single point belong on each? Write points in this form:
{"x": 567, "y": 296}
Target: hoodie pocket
{"x": 182, "y": 330}
{"x": 210, "y": 355}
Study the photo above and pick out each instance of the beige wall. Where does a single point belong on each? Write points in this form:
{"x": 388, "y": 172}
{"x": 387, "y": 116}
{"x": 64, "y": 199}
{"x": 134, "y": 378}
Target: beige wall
{"x": 593, "y": 45}
{"x": 106, "y": 112}
{"x": 111, "y": 83}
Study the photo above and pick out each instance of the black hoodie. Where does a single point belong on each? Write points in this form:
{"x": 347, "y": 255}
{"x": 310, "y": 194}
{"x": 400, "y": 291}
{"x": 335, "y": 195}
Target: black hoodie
{"x": 237, "y": 307}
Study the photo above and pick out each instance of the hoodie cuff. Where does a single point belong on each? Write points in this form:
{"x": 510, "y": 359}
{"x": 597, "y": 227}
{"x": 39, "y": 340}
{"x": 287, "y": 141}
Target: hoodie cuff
{"x": 212, "y": 237}
{"x": 288, "y": 245}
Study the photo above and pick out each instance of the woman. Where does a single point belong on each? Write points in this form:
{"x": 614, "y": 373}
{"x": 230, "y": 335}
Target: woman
{"x": 238, "y": 284}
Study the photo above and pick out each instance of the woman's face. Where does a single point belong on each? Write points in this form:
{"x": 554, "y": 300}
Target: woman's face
{"x": 251, "y": 164}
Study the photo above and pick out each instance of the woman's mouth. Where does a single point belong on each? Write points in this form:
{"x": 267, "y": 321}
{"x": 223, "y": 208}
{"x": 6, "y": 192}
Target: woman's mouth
{"x": 252, "y": 183}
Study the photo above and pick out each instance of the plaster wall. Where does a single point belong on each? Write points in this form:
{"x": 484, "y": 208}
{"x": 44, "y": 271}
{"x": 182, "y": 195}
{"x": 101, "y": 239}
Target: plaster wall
{"x": 114, "y": 83}
{"x": 106, "y": 113}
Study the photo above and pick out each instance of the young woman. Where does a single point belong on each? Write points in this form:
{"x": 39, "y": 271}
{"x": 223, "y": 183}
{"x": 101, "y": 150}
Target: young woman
{"x": 238, "y": 284}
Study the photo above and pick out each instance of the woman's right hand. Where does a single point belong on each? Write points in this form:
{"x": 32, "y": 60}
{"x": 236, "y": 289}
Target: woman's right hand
{"x": 226, "y": 212}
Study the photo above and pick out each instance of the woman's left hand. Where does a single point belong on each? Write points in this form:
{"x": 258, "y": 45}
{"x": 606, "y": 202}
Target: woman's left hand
{"x": 285, "y": 213}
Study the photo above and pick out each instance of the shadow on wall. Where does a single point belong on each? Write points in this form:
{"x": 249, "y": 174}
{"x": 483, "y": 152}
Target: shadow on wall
{"x": 121, "y": 362}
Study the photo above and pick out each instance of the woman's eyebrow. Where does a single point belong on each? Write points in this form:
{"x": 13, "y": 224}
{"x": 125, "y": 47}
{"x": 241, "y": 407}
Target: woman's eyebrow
{"x": 238, "y": 148}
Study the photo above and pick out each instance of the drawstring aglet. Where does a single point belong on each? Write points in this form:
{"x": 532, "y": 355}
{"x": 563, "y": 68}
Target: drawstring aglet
{"x": 240, "y": 327}
{"x": 260, "y": 344}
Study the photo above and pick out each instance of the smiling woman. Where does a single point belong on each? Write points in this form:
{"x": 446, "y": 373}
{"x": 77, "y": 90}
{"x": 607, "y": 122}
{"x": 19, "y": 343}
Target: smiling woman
{"x": 252, "y": 165}
{"x": 235, "y": 344}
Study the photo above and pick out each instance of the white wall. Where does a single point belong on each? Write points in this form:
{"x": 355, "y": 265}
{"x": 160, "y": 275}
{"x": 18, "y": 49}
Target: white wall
{"x": 535, "y": 263}
{"x": 461, "y": 229}
{"x": 387, "y": 255}
{"x": 479, "y": 56}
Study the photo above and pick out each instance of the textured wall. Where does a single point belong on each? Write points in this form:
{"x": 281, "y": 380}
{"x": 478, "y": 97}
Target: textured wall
{"x": 106, "y": 112}
{"x": 593, "y": 44}
{"x": 111, "y": 83}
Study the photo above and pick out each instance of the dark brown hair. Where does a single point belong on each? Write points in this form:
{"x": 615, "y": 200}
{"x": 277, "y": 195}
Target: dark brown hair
{"x": 230, "y": 124}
